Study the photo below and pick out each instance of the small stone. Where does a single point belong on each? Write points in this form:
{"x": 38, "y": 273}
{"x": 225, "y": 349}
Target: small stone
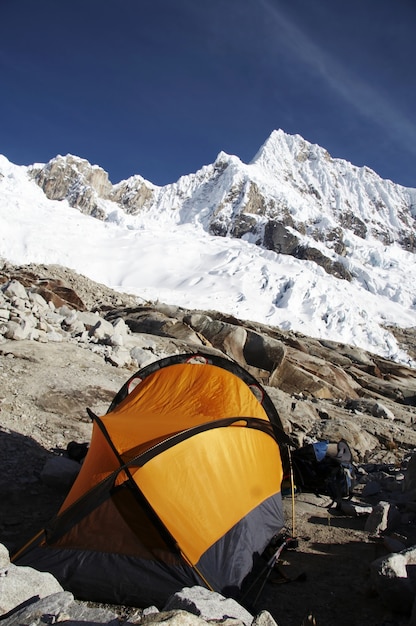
{"x": 119, "y": 357}
{"x": 384, "y": 516}
{"x": 264, "y": 618}
{"x": 14, "y": 289}
{"x": 394, "y": 580}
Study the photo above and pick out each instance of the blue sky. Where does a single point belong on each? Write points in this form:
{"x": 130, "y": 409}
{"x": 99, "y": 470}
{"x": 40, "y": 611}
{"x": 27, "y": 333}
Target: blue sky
{"x": 159, "y": 87}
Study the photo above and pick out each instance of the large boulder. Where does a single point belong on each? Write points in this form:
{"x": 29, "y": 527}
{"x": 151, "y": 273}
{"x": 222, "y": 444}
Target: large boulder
{"x": 301, "y": 372}
{"x": 208, "y": 604}
{"x": 60, "y": 607}
{"x": 20, "y": 584}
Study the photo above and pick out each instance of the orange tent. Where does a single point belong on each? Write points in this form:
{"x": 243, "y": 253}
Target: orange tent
{"x": 180, "y": 487}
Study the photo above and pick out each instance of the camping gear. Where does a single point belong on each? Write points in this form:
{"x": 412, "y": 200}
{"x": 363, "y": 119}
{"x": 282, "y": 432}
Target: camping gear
{"x": 325, "y": 468}
{"x": 180, "y": 487}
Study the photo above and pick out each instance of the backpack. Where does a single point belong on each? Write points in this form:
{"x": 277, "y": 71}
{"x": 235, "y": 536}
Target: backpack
{"x": 325, "y": 468}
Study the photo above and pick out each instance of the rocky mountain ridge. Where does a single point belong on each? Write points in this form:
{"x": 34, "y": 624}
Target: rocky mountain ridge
{"x": 292, "y": 198}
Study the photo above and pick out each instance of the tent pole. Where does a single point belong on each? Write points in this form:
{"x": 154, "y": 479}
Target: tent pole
{"x": 292, "y": 491}
{"x": 194, "y": 567}
{"x": 267, "y": 571}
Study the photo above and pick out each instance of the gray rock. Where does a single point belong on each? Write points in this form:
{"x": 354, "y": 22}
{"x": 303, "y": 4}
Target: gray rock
{"x": 17, "y": 331}
{"x": 394, "y": 578}
{"x": 226, "y": 337}
{"x": 142, "y": 340}
{"x": 71, "y": 318}
{"x": 385, "y": 516}
{"x": 116, "y": 340}
{"x": 53, "y": 318}
{"x": 60, "y": 607}
{"x": 65, "y": 310}
{"x": 42, "y": 336}
{"x": 102, "y": 330}
{"x": 379, "y": 410}
{"x": 43, "y": 326}
{"x": 120, "y": 333}
{"x": 119, "y": 356}
{"x": 175, "y": 618}
{"x": 81, "y": 613}
{"x": 208, "y": 604}
{"x": 19, "y": 304}
{"x": 120, "y": 327}
{"x": 76, "y": 328}
{"x": 14, "y": 289}
{"x": 39, "y": 611}
{"x": 141, "y": 356}
{"x": 264, "y": 619}
{"x": 150, "y": 610}
{"x": 88, "y": 319}
{"x": 54, "y": 335}
{"x": 20, "y": 584}
{"x": 38, "y": 301}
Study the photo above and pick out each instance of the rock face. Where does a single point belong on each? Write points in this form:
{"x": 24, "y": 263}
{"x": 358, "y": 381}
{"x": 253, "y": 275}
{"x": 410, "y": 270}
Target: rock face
{"x": 133, "y": 194}
{"x": 74, "y": 179}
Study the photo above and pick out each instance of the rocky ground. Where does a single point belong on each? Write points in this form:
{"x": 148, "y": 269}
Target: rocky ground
{"x": 45, "y": 387}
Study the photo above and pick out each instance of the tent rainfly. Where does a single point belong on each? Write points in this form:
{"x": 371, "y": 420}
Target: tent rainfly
{"x": 180, "y": 487}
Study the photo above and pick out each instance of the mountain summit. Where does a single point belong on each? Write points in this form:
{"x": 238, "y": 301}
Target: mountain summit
{"x": 290, "y": 183}
{"x": 296, "y": 237}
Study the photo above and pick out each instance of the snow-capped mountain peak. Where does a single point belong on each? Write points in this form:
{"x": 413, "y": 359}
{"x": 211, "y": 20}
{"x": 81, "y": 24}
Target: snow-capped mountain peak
{"x": 281, "y": 149}
{"x": 294, "y": 238}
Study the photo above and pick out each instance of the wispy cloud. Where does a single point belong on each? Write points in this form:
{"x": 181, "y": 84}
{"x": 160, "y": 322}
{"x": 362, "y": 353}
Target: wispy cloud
{"x": 368, "y": 101}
